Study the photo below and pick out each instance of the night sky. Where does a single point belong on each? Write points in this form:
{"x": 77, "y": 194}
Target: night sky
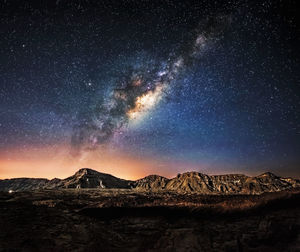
{"x": 134, "y": 88}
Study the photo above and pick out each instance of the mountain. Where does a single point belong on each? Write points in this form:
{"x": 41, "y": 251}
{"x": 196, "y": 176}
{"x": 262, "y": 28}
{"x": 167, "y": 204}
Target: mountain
{"x": 268, "y": 182}
{"x": 230, "y": 183}
{"x": 189, "y": 182}
{"x": 84, "y": 178}
{"x": 151, "y": 182}
{"x": 22, "y": 184}
{"x": 88, "y": 178}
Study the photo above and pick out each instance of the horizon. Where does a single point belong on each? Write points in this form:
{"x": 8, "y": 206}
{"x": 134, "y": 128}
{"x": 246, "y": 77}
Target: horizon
{"x": 154, "y": 174}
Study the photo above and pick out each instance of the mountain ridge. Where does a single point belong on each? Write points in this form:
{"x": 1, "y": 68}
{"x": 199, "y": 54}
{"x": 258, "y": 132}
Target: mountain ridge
{"x": 187, "y": 182}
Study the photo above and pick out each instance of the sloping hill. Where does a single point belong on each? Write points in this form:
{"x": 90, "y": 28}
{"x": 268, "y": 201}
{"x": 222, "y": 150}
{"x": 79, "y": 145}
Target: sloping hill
{"x": 151, "y": 182}
{"x": 88, "y": 178}
{"x": 22, "y": 184}
{"x": 267, "y": 182}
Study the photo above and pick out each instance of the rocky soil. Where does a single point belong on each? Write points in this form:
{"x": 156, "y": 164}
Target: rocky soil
{"x": 126, "y": 220}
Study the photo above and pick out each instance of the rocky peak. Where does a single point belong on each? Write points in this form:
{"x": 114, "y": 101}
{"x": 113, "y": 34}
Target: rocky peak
{"x": 85, "y": 171}
{"x": 152, "y": 178}
{"x": 268, "y": 175}
{"x": 193, "y": 175}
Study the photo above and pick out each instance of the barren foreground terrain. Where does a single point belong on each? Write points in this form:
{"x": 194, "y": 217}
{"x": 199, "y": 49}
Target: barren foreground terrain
{"x": 124, "y": 220}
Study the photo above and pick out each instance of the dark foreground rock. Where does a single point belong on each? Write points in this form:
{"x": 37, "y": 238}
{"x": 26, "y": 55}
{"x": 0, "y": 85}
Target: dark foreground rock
{"x": 122, "y": 220}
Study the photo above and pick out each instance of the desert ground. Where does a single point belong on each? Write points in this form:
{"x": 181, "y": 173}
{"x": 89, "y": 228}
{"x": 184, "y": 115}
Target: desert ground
{"x": 129, "y": 220}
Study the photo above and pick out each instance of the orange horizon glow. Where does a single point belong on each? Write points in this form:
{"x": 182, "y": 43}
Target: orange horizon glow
{"x": 57, "y": 162}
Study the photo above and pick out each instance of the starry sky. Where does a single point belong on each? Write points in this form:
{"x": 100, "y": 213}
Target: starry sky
{"x": 134, "y": 88}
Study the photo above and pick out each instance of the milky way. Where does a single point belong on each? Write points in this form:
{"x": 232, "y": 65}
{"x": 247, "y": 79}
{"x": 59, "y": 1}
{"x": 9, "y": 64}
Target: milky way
{"x": 143, "y": 88}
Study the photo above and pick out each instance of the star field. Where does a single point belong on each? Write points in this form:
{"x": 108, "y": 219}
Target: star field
{"x": 205, "y": 85}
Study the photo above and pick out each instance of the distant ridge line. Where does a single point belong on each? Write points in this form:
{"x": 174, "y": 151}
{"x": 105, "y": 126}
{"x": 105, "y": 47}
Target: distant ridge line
{"x": 187, "y": 182}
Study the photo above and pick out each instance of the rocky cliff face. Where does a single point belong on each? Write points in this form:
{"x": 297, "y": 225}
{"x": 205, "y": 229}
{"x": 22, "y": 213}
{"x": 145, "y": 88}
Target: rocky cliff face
{"x": 189, "y": 182}
{"x": 194, "y": 182}
{"x": 151, "y": 182}
{"x": 268, "y": 182}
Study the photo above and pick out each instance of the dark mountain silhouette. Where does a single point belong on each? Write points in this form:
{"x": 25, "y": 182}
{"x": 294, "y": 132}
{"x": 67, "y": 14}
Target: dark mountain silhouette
{"x": 88, "y": 178}
{"x": 189, "y": 182}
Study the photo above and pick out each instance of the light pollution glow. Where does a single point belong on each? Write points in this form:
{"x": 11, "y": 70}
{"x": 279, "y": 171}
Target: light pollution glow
{"x": 56, "y": 161}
